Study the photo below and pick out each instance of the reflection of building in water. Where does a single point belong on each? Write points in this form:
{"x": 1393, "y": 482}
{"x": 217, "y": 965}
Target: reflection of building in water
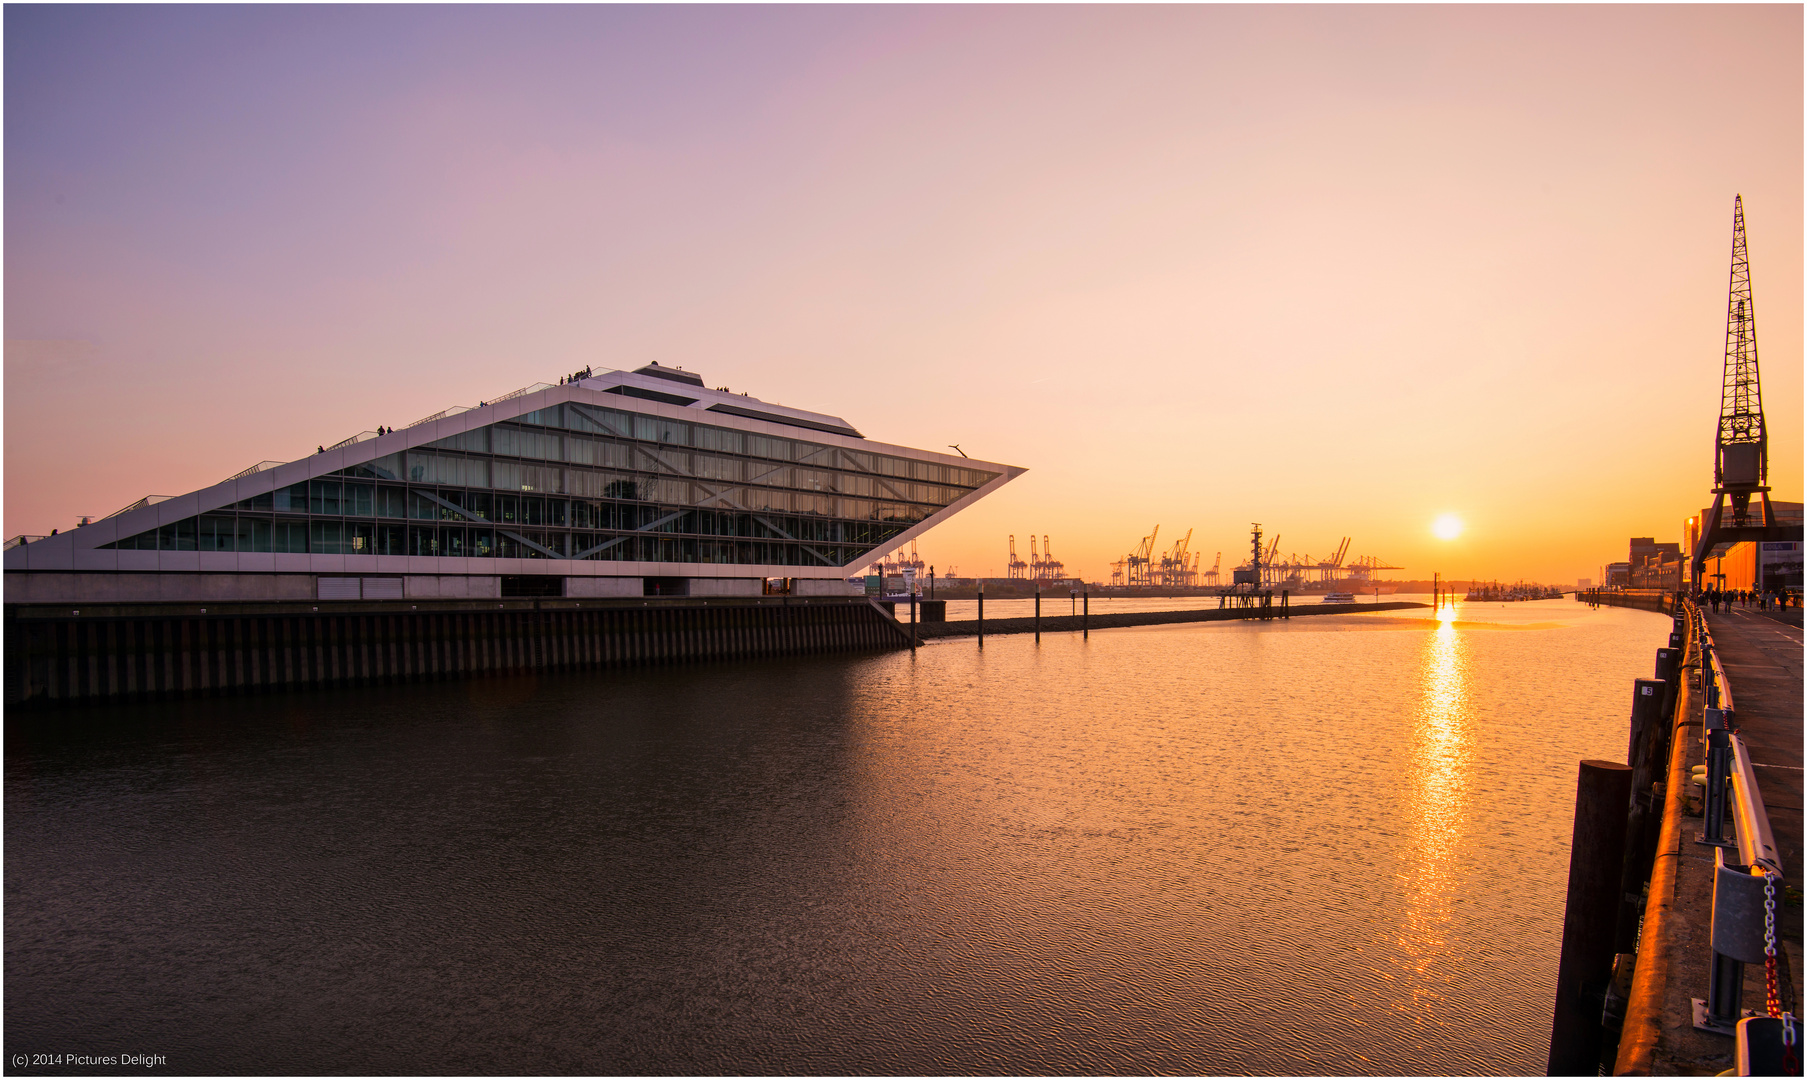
{"x": 1442, "y": 748}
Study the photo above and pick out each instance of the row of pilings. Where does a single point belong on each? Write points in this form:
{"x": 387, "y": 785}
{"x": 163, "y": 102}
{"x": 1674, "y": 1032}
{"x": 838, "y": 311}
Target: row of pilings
{"x": 1662, "y": 601}
{"x": 65, "y": 655}
{"x": 1618, "y": 816}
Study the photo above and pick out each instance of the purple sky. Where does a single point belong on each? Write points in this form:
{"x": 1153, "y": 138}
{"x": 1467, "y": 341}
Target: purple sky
{"x": 1339, "y": 270}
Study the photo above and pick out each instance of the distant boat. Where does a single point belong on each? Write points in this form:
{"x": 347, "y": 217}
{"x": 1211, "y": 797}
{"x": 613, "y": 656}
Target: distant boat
{"x": 1339, "y": 598}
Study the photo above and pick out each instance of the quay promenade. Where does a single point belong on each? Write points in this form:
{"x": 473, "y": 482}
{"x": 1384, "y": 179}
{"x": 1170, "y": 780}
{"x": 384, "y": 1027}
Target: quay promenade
{"x": 1761, "y": 654}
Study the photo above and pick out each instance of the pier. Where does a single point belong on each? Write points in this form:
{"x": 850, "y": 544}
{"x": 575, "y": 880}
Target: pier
{"x": 1690, "y": 959}
{"x": 1760, "y": 654}
{"x": 1057, "y": 624}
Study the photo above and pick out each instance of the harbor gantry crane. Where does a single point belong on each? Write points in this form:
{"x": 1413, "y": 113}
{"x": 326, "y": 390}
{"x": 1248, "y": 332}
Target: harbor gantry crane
{"x": 1364, "y": 568}
{"x": 1327, "y": 570}
{"x": 1016, "y": 566}
{"x": 916, "y": 562}
{"x": 1267, "y": 572}
{"x": 1211, "y": 576}
{"x": 1052, "y": 569}
{"x": 1172, "y": 572}
{"x": 1140, "y": 561}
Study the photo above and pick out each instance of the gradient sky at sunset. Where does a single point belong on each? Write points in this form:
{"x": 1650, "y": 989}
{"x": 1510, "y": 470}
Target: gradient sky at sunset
{"x": 1339, "y": 270}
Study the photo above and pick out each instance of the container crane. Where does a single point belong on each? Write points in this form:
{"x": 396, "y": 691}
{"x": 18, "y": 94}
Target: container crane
{"x": 1052, "y": 569}
{"x": 1016, "y": 566}
{"x": 1327, "y": 570}
{"x": 1141, "y": 559}
{"x": 1174, "y": 564}
{"x": 1364, "y": 568}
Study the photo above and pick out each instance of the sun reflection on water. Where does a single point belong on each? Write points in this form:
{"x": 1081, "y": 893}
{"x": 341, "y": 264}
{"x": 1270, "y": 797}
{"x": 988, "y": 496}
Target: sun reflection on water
{"x": 1441, "y": 759}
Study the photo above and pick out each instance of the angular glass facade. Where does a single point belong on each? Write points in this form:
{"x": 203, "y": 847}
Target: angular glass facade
{"x": 579, "y": 481}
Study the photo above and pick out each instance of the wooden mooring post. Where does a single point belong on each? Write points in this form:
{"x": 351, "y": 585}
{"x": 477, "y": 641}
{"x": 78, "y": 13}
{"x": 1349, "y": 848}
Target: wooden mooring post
{"x": 1647, "y": 756}
{"x": 1596, "y": 859}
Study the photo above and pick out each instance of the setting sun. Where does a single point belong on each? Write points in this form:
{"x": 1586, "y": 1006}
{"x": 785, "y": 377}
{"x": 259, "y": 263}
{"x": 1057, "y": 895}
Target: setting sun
{"x": 1447, "y": 527}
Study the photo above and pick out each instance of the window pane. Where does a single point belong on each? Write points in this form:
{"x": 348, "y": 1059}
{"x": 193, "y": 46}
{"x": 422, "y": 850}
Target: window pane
{"x": 254, "y": 534}
{"x": 389, "y": 467}
{"x": 360, "y": 500}
{"x": 290, "y": 536}
{"x": 423, "y": 540}
{"x": 328, "y": 538}
{"x": 217, "y": 534}
{"x": 291, "y": 499}
{"x": 391, "y": 502}
{"x": 360, "y": 537}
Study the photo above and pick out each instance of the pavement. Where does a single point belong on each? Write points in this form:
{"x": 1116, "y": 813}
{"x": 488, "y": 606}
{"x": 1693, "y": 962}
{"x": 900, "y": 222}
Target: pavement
{"x": 1761, "y": 653}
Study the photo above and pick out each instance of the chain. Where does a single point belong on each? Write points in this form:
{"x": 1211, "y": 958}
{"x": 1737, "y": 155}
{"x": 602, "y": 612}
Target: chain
{"x": 1773, "y": 995}
{"x": 1772, "y": 981}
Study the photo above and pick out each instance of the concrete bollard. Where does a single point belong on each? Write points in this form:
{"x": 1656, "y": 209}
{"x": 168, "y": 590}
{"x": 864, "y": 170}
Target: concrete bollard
{"x": 1589, "y": 917}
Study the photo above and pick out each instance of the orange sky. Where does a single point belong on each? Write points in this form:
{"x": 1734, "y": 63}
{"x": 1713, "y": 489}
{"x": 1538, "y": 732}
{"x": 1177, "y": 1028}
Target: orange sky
{"x": 1337, "y": 270}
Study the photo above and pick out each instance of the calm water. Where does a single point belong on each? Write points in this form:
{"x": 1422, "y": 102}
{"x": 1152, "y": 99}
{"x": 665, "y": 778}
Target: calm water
{"x": 1335, "y": 845}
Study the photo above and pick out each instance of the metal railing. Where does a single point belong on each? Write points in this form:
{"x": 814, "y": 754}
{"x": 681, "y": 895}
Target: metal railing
{"x": 257, "y": 468}
{"x": 456, "y": 409}
{"x": 441, "y": 415}
{"x": 1744, "y": 895}
{"x": 22, "y": 538}
{"x": 362, "y": 436}
{"x": 535, "y": 388}
{"x": 148, "y": 500}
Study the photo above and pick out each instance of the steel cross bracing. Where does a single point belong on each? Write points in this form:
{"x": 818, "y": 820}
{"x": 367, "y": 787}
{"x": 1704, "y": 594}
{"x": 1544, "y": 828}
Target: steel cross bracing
{"x": 1741, "y": 444}
{"x": 1741, "y": 396}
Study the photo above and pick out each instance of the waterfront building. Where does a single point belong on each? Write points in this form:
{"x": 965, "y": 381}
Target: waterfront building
{"x": 616, "y": 484}
{"x": 1751, "y": 564}
{"x": 1654, "y": 565}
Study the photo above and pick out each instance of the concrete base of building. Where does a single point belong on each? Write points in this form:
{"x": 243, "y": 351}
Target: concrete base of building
{"x": 98, "y": 652}
{"x": 124, "y": 587}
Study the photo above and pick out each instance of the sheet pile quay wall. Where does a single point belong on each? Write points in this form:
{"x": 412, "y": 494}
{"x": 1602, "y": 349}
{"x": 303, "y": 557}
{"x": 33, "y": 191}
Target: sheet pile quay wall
{"x": 61, "y": 655}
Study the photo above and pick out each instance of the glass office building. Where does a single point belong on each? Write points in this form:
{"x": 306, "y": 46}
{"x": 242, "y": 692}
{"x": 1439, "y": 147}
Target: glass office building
{"x": 619, "y": 475}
